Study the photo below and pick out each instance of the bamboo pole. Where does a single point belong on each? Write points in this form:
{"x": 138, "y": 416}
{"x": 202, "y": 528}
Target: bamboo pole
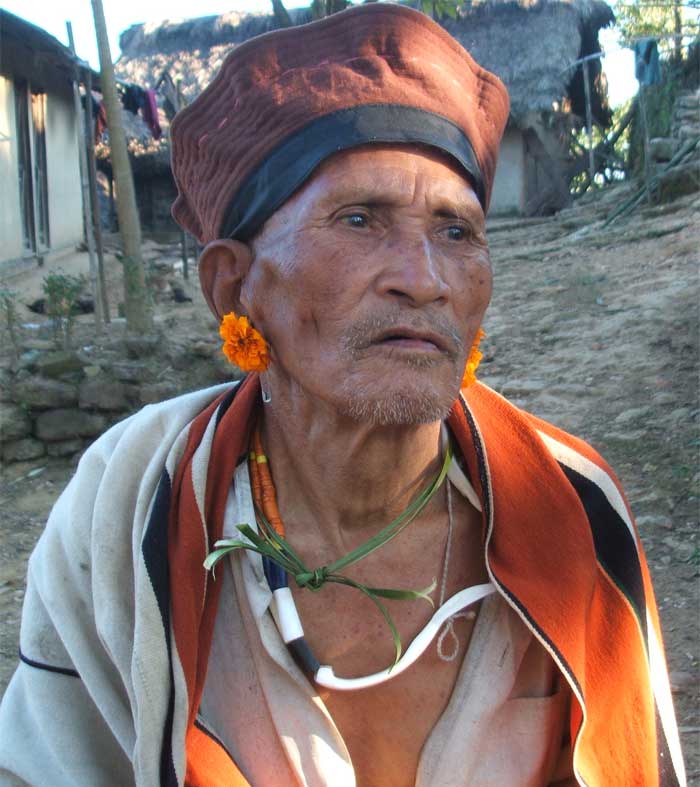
{"x": 137, "y": 304}
{"x": 113, "y": 222}
{"x": 678, "y": 30}
{"x": 589, "y": 122}
{"x": 96, "y": 218}
{"x": 85, "y": 189}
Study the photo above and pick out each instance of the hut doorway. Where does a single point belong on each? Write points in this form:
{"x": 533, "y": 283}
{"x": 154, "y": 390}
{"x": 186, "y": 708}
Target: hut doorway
{"x": 30, "y": 119}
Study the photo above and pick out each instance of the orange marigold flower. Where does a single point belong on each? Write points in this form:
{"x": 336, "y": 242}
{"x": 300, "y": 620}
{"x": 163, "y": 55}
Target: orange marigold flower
{"x": 243, "y": 345}
{"x": 473, "y": 360}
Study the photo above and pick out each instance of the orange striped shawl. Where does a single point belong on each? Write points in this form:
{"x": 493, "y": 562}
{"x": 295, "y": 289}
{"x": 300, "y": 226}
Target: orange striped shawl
{"x": 560, "y": 547}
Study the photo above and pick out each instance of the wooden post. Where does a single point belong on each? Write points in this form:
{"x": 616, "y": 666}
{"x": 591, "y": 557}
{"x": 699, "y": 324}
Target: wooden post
{"x": 589, "y": 123}
{"x": 185, "y": 261}
{"x": 87, "y": 212}
{"x": 678, "y": 30}
{"x": 645, "y": 132}
{"x": 112, "y": 210}
{"x": 137, "y": 304}
{"x": 96, "y": 217}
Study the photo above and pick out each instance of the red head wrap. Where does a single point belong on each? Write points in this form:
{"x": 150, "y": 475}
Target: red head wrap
{"x": 284, "y": 101}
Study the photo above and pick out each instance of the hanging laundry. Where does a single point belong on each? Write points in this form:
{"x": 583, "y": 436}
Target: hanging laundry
{"x": 133, "y": 98}
{"x": 150, "y": 114}
{"x": 99, "y": 116}
{"x": 100, "y": 121}
{"x": 646, "y": 61}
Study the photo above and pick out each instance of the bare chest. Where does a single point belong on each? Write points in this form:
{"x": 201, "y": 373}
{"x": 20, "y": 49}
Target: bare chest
{"x": 386, "y": 727}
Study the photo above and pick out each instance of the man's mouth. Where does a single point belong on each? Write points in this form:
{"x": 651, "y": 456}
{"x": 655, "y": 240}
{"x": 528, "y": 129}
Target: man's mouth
{"x": 430, "y": 338}
{"x": 410, "y": 339}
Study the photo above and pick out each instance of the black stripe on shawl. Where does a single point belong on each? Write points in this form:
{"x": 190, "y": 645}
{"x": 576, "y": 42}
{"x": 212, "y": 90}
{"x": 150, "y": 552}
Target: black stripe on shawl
{"x": 667, "y": 772}
{"x": 155, "y": 555}
{"x": 154, "y": 548}
{"x": 227, "y": 402}
{"x": 48, "y": 667}
{"x": 615, "y": 546}
{"x": 486, "y": 502}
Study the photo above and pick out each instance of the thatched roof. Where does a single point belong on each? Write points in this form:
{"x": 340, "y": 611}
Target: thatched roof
{"x": 528, "y": 44}
{"x": 30, "y": 53}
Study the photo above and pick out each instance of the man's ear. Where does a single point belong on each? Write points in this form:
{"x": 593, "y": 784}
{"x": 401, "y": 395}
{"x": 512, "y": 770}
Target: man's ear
{"x": 223, "y": 265}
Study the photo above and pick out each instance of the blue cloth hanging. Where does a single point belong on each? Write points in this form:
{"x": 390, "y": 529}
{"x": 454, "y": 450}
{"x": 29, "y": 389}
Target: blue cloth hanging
{"x": 646, "y": 61}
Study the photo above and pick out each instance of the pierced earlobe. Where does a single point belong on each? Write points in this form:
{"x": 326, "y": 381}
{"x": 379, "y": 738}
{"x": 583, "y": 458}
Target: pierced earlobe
{"x": 265, "y": 389}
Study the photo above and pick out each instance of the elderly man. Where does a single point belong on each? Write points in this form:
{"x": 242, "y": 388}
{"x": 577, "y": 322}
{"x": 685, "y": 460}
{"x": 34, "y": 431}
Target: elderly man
{"x": 343, "y": 571}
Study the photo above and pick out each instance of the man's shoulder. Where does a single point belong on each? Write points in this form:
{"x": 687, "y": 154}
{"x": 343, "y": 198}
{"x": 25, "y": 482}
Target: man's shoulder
{"x": 153, "y": 429}
{"x": 575, "y": 455}
{"x": 118, "y": 475}
{"x": 568, "y": 450}
{"x": 511, "y": 431}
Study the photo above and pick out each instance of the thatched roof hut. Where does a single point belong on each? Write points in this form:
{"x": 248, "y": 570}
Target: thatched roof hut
{"x": 529, "y": 45}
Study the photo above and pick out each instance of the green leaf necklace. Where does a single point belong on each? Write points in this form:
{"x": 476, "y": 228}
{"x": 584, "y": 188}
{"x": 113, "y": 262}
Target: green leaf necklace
{"x": 280, "y": 561}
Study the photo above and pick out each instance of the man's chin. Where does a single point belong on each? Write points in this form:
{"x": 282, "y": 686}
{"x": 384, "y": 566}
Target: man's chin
{"x": 404, "y": 408}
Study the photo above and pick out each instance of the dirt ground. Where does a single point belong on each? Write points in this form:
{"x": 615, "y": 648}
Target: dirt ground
{"x": 595, "y": 330}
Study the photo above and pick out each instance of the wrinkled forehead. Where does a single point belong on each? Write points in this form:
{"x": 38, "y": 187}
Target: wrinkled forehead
{"x": 395, "y": 175}
{"x": 403, "y": 159}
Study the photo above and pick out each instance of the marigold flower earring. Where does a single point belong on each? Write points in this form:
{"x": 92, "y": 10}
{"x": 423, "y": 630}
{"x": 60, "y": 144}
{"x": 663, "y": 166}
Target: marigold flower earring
{"x": 244, "y": 346}
{"x": 473, "y": 360}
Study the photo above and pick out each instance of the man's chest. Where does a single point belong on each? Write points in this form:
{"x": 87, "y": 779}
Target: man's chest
{"x": 386, "y": 726}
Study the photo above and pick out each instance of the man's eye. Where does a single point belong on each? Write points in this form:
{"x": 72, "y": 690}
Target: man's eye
{"x": 357, "y": 220}
{"x": 456, "y": 232}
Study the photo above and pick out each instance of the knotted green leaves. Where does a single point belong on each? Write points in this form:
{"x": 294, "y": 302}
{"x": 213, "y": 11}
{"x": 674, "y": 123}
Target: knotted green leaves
{"x": 271, "y": 545}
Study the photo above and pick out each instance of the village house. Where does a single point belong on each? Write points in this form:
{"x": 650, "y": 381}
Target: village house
{"x": 40, "y": 199}
{"x": 530, "y": 46}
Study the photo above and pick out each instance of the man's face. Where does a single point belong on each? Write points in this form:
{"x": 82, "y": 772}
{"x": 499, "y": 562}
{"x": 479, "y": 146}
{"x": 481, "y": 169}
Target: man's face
{"x": 370, "y": 284}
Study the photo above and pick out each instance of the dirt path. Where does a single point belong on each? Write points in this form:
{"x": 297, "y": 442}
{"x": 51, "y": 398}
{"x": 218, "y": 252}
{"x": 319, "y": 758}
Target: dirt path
{"x": 596, "y": 331}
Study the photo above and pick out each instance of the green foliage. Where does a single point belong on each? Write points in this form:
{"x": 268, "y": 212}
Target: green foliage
{"x": 611, "y": 151}
{"x": 9, "y": 320}
{"x": 659, "y": 101}
{"x": 62, "y": 291}
{"x": 661, "y": 19}
{"x": 674, "y": 23}
{"x": 439, "y": 9}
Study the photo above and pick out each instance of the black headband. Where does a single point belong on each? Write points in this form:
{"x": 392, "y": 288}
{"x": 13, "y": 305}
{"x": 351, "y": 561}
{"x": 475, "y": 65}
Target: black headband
{"x": 291, "y": 163}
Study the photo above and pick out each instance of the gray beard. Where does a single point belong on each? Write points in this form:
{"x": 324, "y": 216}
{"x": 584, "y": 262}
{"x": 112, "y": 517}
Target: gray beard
{"x": 404, "y": 408}
{"x": 400, "y": 409}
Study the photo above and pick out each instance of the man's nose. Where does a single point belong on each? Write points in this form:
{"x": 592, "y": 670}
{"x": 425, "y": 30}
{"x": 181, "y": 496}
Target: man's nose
{"x": 412, "y": 273}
